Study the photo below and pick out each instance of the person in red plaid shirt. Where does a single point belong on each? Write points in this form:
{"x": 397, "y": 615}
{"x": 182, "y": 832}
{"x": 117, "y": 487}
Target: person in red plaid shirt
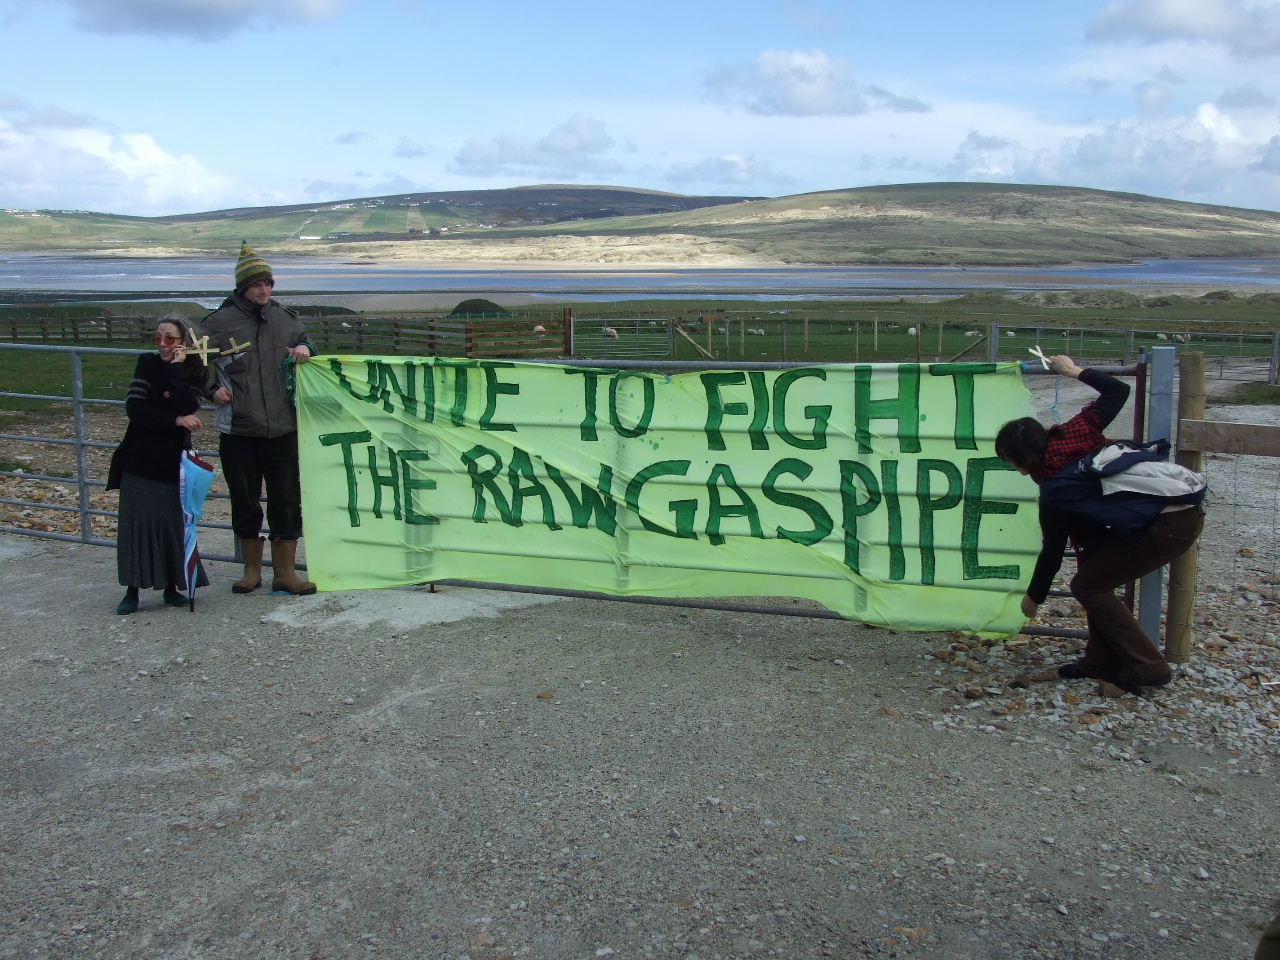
{"x": 1117, "y": 650}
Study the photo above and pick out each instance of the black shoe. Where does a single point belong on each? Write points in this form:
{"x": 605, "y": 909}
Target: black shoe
{"x": 173, "y": 598}
{"x": 129, "y": 604}
{"x": 1126, "y": 682}
{"x": 1075, "y": 670}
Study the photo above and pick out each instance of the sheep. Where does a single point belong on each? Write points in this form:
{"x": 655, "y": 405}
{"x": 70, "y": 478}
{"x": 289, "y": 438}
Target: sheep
{"x": 609, "y": 333}
{"x": 971, "y": 333}
{"x": 721, "y": 330}
{"x": 540, "y": 330}
{"x": 1182, "y": 337}
{"x": 653, "y": 323}
{"x": 911, "y": 331}
{"x": 1162, "y": 336}
{"x": 1009, "y": 333}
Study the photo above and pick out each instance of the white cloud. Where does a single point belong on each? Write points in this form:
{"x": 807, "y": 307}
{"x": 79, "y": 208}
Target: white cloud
{"x": 578, "y": 146}
{"x": 728, "y": 174}
{"x": 351, "y": 137}
{"x": 802, "y": 83}
{"x": 1268, "y": 158}
{"x": 1247, "y": 30}
{"x": 1210, "y": 157}
{"x": 53, "y": 158}
{"x": 987, "y": 157}
{"x": 95, "y": 169}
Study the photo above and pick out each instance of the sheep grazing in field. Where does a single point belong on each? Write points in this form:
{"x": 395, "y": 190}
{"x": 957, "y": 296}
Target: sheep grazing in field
{"x": 653, "y": 323}
{"x": 1182, "y": 337}
{"x": 971, "y": 333}
{"x": 911, "y": 331}
{"x": 1162, "y": 336}
{"x": 540, "y": 330}
{"x": 609, "y": 333}
{"x": 721, "y": 330}
{"x": 1009, "y": 333}
{"x": 759, "y": 331}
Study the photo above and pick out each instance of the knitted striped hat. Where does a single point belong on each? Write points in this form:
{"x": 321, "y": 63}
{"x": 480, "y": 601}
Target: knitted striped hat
{"x": 251, "y": 268}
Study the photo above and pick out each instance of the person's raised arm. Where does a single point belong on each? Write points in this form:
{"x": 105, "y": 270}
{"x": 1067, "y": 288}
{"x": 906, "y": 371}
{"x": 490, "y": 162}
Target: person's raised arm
{"x": 1112, "y": 393}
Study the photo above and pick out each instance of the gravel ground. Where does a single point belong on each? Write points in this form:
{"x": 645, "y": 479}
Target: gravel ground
{"x": 470, "y": 774}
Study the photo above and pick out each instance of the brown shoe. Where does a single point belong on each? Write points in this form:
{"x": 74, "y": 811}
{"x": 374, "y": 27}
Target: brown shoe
{"x": 252, "y": 579}
{"x": 284, "y": 578}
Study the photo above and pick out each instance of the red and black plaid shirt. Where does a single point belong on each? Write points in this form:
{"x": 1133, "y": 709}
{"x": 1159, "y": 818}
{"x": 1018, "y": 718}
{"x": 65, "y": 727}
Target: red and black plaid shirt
{"x": 1082, "y": 434}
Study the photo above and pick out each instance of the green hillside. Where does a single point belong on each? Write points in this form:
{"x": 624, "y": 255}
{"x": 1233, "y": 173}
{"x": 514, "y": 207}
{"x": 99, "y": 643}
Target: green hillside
{"x": 931, "y": 223}
{"x": 963, "y": 223}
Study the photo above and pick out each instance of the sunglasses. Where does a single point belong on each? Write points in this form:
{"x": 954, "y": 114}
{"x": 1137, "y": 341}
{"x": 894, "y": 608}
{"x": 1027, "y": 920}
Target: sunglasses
{"x": 166, "y": 340}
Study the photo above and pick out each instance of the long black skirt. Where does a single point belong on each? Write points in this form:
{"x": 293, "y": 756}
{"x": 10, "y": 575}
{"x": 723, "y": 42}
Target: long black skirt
{"x": 149, "y": 536}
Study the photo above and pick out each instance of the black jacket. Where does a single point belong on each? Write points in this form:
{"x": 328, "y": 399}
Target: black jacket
{"x": 158, "y": 394}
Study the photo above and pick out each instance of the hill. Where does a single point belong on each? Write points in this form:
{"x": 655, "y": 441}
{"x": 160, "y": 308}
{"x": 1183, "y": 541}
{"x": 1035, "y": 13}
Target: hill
{"x": 929, "y": 223}
{"x": 407, "y": 216}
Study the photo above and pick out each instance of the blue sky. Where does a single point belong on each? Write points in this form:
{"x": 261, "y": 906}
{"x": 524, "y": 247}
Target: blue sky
{"x": 153, "y": 107}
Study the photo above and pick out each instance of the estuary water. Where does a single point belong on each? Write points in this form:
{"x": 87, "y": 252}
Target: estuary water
{"x": 27, "y": 277}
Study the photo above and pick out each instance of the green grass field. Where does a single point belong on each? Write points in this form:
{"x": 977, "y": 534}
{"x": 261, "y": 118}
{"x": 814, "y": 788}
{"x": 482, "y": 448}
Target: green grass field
{"x": 1105, "y": 327}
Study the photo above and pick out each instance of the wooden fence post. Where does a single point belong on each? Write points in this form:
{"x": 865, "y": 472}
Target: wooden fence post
{"x": 1182, "y": 571}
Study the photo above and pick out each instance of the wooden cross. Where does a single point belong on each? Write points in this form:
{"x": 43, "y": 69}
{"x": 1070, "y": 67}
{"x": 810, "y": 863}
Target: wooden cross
{"x": 200, "y": 348}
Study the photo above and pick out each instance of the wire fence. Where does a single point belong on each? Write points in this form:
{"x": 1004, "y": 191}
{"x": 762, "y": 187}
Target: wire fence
{"x": 826, "y": 335}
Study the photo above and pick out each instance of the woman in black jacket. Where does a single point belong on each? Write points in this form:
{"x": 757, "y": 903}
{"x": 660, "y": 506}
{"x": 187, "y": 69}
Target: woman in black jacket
{"x": 162, "y": 403}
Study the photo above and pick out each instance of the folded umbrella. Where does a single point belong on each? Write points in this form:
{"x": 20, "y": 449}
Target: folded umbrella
{"x": 194, "y": 479}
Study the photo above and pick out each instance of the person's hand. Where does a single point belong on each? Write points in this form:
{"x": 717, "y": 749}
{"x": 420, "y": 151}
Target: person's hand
{"x": 188, "y": 420}
{"x": 1065, "y": 365}
{"x": 221, "y": 396}
{"x": 300, "y": 353}
{"x": 176, "y": 353}
{"x": 1029, "y": 607}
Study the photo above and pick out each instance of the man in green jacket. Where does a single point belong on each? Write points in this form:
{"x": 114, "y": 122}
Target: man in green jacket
{"x": 258, "y": 431}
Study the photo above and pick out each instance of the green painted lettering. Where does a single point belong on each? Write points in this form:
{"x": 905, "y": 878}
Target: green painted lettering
{"x": 818, "y": 515}
{"x": 929, "y": 505}
{"x": 819, "y": 416}
{"x": 685, "y": 510}
{"x": 347, "y": 441}
{"x": 904, "y": 408}
{"x": 975, "y": 508}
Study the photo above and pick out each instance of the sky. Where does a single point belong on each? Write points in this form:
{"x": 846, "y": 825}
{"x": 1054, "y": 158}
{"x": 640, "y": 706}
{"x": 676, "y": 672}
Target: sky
{"x": 155, "y": 107}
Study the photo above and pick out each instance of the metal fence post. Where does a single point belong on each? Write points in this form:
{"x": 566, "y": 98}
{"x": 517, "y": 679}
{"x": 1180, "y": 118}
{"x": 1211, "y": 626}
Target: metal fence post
{"x": 993, "y": 345}
{"x": 1273, "y": 375}
{"x": 1159, "y": 426}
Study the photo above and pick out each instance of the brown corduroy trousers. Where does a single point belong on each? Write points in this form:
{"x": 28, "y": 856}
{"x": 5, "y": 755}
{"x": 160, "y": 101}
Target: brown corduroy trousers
{"x": 1116, "y": 641}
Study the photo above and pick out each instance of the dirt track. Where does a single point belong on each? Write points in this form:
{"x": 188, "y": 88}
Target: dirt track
{"x": 354, "y": 775}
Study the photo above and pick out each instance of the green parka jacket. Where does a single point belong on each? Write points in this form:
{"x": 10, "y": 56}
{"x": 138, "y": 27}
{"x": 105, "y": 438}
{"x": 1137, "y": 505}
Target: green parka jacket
{"x": 259, "y": 406}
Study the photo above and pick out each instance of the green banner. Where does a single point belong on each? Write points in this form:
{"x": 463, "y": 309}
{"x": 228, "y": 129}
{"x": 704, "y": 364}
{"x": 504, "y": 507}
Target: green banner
{"x": 872, "y": 489}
